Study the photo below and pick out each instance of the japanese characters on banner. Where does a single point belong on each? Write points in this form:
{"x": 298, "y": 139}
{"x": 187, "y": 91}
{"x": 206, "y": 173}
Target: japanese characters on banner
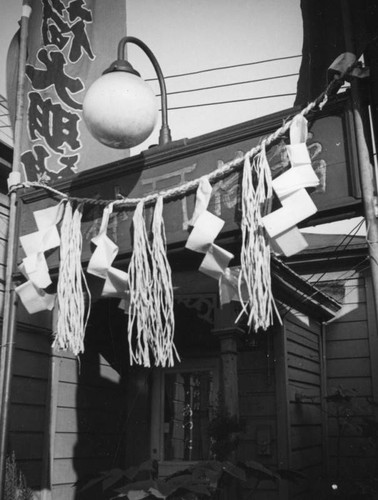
{"x": 71, "y": 42}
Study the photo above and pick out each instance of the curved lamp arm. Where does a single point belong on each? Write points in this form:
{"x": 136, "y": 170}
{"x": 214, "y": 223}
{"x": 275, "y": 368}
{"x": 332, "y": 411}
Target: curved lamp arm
{"x": 123, "y": 65}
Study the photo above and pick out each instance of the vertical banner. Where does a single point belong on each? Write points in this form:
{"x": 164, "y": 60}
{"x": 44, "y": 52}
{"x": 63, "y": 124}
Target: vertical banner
{"x": 71, "y": 42}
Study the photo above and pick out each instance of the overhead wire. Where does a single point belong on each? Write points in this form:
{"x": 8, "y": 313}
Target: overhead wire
{"x": 352, "y": 233}
{"x": 223, "y": 85}
{"x": 231, "y": 101}
{"x": 231, "y": 66}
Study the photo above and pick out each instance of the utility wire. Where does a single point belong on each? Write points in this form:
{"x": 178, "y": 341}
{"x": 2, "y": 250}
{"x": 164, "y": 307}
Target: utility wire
{"x": 350, "y": 235}
{"x": 231, "y": 84}
{"x": 231, "y": 101}
{"x": 232, "y": 66}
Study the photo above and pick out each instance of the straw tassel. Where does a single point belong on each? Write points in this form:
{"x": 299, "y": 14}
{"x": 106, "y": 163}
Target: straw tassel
{"x": 255, "y": 251}
{"x": 151, "y": 316}
{"x": 162, "y": 291}
{"x": 141, "y": 308}
{"x": 71, "y": 318}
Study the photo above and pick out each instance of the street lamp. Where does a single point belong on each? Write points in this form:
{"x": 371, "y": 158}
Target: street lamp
{"x": 120, "y": 109}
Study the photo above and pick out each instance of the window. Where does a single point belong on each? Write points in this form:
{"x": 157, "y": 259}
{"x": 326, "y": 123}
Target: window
{"x": 183, "y": 403}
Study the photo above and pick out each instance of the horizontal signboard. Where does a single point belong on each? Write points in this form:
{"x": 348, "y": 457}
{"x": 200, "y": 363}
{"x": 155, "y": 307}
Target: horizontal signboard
{"x": 330, "y": 144}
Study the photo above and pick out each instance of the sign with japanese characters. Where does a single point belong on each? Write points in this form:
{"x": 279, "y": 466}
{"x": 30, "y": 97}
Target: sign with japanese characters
{"x": 71, "y": 42}
{"x": 331, "y": 148}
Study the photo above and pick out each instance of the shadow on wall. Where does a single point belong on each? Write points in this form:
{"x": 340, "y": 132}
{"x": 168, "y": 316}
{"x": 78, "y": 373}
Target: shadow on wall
{"x": 101, "y": 396}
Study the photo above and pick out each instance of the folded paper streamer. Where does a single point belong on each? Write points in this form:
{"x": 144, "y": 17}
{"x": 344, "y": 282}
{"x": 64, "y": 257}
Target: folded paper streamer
{"x": 215, "y": 262}
{"x": 116, "y": 284}
{"x": 203, "y": 196}
{"x": 106, "y": 251}
{"x": 254, "y": 274}
{"x": 229, "y": 286}
{"x": 297, "y": 205}
{"x": 151, "y": 318}
{"x": 34, "y": 266}
{"x": 100, "y": 263}
{"x": 205, "y": 230}
{"x": 253, "y": 291}
{"x": 35, "y": 299}
{"x": 206, "y": 227}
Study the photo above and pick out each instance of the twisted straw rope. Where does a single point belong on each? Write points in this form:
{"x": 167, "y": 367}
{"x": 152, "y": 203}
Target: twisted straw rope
{"x": 221, "y": 171}
{"x": 188, "y": 186}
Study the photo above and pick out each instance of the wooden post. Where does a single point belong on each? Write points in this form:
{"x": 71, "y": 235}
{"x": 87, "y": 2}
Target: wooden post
{"x": 227, "y": 333}
{"x": 369, "y": 195}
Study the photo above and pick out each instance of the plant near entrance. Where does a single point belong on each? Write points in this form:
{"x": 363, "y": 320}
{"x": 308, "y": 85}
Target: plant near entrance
{"x": 15, "y": 487}
{"x": 211, "y": 480}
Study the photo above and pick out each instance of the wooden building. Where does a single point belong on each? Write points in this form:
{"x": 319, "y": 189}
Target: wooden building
{"x": 339, "y": 265}
{"x": 71, "y": 418}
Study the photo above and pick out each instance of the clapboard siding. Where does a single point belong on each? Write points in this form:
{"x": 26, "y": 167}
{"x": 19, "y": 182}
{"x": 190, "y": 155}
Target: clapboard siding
{"x": 65, "y": 470}
{"x": 349, "y": 358}
{"x": 88, "y": 397}
{"x": 27, "y": 390}
{"x": 346, "y": 330}
{"x": 348, "y": 367}
{"x": 90, "y": 418}
{"x": 29, "y": 400}
{"x": 97, "y": 373}
{"x": 31, "y": 364}
{"x": 64, "y": 492}
{"x": 258, "y": 410}
{"x": 66, "y": 444}
{"x": 348, "y": 349}
{"x": 307, "y": 436}
{"x": 304, "y": 393}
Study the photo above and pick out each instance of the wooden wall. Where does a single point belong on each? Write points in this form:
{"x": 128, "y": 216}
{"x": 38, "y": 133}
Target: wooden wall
{"x": 352, "y": 373}
{"x": 90, "y": 410}
{"x": 29, "y": 396}
{"x": 281, "y": 401}
{"x": 68, "y": 416}
{"x": 31, "y": 365}
{"x": 300, "y": 389}
{"x": 305, "y": 400}
{"x": 88, "y": 418}
{"x": 257, "y": 406}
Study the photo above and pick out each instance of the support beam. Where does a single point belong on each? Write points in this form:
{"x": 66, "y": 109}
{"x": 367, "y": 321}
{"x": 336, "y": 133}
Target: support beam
{"x": 228, "y": 333}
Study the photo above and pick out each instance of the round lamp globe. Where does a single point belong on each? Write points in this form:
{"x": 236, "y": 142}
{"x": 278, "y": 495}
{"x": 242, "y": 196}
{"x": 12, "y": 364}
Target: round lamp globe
{"x": 120, "y": 110}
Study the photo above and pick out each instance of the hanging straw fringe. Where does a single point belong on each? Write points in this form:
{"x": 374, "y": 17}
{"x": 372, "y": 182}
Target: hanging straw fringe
{"x": 141, "y": 308}
{"x": 162, "y": 291}
{"x": 71, "y": 321}
{"x": 151, "y": 294}
{"x": 255, "y": 251}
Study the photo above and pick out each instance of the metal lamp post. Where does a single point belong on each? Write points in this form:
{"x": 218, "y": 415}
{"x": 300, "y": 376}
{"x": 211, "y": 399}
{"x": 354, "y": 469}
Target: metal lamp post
{"x": 8, "y": 333}
{"x": 120, "y": 108}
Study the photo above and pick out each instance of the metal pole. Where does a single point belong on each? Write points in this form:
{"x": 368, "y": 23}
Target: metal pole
{"x": 10, "y": 302}
{"x": 165, "y": 133}
{"x": 369, "y": 196}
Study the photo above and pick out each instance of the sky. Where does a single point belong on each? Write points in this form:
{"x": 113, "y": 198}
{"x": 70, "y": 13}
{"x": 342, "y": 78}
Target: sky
{"x": 259, "y": 39}
{"x": 195, "y": 35}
